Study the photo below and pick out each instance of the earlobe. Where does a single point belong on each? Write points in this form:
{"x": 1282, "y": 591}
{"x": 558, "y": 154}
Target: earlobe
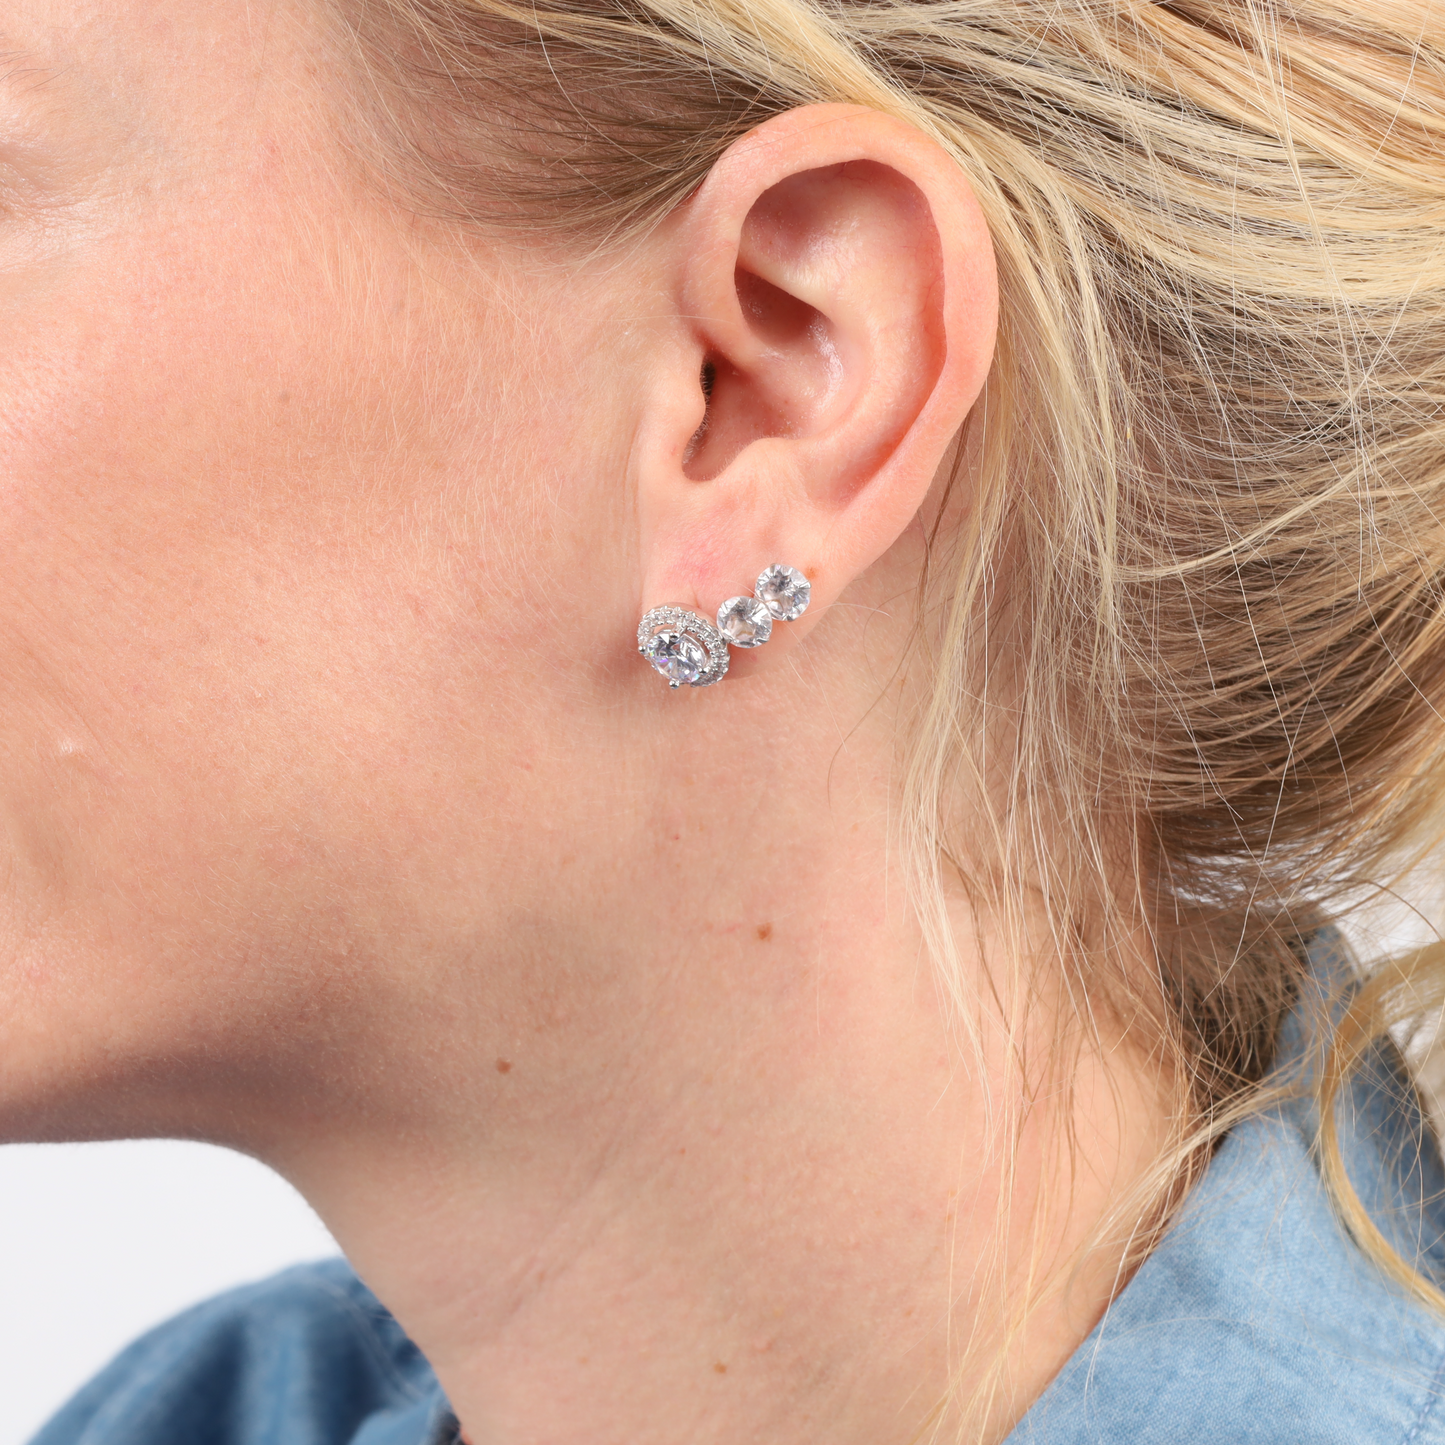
{"x": 836, "y": 305}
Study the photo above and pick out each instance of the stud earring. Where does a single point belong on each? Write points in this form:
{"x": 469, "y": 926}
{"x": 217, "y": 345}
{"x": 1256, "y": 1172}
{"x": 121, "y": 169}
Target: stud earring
{"x": 686, "y": 648}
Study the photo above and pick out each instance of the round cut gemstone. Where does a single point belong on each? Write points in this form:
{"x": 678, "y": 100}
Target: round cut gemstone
{"x": 676, "y": 656}
{"x": 784, "y": 591}
{"x": 745, "y": 621}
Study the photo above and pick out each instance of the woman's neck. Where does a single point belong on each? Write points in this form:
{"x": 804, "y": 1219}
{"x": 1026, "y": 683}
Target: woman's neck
{"x": 735, "y": 1180}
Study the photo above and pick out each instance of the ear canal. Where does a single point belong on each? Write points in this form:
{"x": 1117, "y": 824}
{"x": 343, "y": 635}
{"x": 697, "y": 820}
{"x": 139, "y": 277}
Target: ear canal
{"x": 786, "y": 360}
{"x": 707, "y": 381}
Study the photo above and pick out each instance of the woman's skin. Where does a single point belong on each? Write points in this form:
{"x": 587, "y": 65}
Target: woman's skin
{"x": 342, "y": 823}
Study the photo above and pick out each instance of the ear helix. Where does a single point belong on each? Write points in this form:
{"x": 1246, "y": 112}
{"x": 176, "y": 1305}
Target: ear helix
{"x": 686, "y": 648}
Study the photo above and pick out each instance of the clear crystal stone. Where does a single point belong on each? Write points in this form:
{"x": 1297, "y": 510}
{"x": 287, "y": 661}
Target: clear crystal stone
{"x": 745, "y": 621}
{"x": 676, "y": 656}
{"x": 784, "y": 591}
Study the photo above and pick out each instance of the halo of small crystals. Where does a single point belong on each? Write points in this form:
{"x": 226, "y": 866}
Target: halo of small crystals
{"x": 679, "y": 619}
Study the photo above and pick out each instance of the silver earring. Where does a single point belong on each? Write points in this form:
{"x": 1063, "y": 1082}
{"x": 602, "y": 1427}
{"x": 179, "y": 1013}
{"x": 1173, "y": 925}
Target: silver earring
{"x": 686, "y": 648}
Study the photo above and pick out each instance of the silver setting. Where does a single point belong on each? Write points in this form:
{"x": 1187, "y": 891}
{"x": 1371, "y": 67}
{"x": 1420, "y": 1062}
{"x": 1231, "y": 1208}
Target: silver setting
{"x": 684, "y": 648}
{"x": 699, "y": 629}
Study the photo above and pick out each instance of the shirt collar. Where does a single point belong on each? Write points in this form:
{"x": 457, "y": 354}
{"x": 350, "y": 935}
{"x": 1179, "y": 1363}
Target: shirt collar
{"x": 1257, "y": 1318}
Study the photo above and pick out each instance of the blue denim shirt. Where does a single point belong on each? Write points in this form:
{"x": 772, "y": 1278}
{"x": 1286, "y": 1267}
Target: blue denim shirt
{"x": 1255, "y": 1322}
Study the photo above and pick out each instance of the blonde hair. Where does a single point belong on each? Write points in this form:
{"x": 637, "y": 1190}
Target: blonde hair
{"x": 1211, "y": 453}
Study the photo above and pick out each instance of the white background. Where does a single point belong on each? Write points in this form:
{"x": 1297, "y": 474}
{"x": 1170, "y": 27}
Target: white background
{"x": 100, "y": 1241}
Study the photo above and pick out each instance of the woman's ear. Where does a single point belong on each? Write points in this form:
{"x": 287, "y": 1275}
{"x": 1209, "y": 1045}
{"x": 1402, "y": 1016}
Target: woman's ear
{"x": 836, "y": 307}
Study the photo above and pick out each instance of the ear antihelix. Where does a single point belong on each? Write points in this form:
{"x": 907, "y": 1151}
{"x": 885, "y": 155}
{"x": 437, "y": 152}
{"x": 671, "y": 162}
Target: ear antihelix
{"x": 686, "y": 648}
